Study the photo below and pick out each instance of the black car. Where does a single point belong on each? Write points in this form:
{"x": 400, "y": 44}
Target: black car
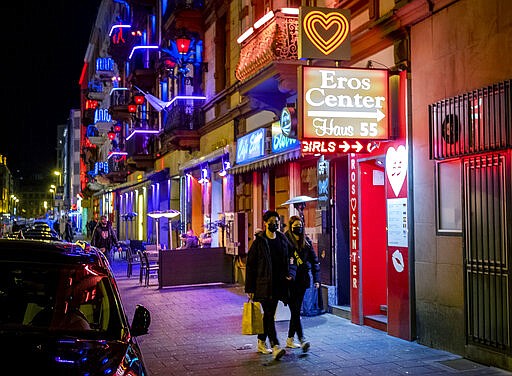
{"x": 61, "y": 313}
{"x": 40, "y": 233}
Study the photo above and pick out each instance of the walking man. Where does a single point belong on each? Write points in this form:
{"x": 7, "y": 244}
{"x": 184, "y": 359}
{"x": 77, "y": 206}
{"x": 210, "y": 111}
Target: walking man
{"x": 270, "y": 267}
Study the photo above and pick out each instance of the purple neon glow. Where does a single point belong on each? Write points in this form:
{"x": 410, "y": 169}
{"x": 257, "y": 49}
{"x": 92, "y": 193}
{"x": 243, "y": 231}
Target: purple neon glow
{"x": 178, "y": 97}
{"x": 118, "y": 27}
{"x": 113, "y": 153}
{"x": 142, "y": 131}
{"x": 135, "y": 48}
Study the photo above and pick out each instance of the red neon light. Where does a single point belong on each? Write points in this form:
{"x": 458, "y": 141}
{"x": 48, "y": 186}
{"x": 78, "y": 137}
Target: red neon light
{"x": 315, "y": 146}
{"x": 139, "y": 99}
{"x": 91, "y": 104}
{"x": 182, "y": 44}
{"x": 132, "y": 108}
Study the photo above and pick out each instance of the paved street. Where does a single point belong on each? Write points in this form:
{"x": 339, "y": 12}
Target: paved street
{"x": 196, "y": 331}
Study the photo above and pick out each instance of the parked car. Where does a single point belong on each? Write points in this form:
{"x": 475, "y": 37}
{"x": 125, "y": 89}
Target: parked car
{"x": 40, "y": 233}
{"x": 61, "y": 313}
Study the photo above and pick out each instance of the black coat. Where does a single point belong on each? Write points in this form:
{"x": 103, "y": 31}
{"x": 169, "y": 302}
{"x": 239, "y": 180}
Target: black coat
{"x": 306, "y": 260}
{"x": 104, "y": 236}
{"x": 258, "y": 277}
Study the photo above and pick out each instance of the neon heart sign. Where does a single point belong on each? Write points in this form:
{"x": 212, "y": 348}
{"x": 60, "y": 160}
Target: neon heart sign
{"x": 317, "y": 24}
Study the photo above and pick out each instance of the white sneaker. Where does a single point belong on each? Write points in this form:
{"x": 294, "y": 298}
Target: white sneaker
{"x": 278, "y": 352}
{"x": 290, "y": 343}
{"x": 262, "y": 347}
{"x": 305, "y": 345}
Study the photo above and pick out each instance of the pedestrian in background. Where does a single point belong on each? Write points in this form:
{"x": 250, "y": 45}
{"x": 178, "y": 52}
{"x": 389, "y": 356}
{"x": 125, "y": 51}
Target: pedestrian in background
{"x": 68, "y": 231}
{"x": 307, "y": 261}
{"x": 104, "y": 237}
{"x": 269, "y": 268}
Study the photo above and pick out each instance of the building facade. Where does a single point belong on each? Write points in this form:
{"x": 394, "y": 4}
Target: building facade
{"x": 201, "y": 107}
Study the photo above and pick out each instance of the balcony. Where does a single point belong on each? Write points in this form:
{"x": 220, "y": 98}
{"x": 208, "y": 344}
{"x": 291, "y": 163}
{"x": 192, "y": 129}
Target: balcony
{"x": 140, "y": 146}
{"x": 268, "y": 63}
{"x": 181, "y": 123}
{"x": 119, "y": 100}
{"x": 117, "y": 168}
{"x": 144, "y": 78}
{"x": 95, "y": 90}
{"x": 275, "y": 41}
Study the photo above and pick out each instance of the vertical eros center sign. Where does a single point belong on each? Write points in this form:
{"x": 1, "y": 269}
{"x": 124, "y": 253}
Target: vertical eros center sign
{"x": 343, "y": 104}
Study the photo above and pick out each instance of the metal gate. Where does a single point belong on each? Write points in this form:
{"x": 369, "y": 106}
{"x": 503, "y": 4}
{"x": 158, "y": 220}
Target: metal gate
{"x": 487, "y": 251}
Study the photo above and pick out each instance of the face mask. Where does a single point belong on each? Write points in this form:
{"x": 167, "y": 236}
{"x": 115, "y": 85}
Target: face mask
{"x": 297, "y": 230}
{"x": 272, "y": 227}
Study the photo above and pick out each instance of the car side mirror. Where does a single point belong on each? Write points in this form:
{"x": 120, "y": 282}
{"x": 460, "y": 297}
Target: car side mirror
{"x": 141, "y": 321}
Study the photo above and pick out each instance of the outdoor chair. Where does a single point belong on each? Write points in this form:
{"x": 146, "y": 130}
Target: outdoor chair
{"x": 151, "y": 266}
{"x": 131, "y": 258}
{"x": 148, "y": 266}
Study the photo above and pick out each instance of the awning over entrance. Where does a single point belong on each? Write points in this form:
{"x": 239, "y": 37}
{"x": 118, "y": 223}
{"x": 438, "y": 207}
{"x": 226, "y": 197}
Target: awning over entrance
{"x": 266, "y": 162}
{"x": 204, "y": 159}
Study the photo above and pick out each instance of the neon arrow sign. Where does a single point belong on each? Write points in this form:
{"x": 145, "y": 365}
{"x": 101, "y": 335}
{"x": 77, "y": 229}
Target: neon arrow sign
{"x": 337, "y": 146}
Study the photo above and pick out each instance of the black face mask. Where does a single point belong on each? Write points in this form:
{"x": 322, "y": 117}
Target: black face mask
{"x": 297, "y": 230}
{"x": 272, "y": 227}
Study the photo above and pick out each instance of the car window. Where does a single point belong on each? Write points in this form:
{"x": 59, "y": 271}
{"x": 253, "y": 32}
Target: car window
{"x": 58, "y": 298}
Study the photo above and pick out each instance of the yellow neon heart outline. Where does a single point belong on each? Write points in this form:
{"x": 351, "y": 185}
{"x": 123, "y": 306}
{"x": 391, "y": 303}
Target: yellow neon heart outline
{"x": 326, "y": 21}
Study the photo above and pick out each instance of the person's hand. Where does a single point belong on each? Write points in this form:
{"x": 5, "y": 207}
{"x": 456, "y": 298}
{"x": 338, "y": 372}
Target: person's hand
{"x": 250, "y": 295}
{"x": 288, "y": 278}
{"x": 316, "y": 284}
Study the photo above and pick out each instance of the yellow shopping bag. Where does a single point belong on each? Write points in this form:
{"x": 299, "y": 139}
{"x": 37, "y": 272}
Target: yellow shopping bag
{"x": 252, "y": 318}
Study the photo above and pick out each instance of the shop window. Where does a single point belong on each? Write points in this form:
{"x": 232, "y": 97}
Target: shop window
{"x": 448, "y": 198}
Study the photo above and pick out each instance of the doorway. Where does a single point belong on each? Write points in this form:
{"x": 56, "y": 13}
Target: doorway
{"x": 373, "y": 243}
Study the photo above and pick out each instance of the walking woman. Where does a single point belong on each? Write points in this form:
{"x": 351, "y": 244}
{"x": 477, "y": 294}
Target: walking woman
{"x": 306, "y": 260}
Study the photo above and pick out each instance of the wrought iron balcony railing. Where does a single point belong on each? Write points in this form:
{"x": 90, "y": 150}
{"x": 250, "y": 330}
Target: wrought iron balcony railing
{"x": 184, "y": 114}
{"x": 274, "y": 41}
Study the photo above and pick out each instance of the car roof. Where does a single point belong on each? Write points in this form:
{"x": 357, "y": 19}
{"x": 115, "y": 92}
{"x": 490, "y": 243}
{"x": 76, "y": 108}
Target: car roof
{"x": 37, "y": 251}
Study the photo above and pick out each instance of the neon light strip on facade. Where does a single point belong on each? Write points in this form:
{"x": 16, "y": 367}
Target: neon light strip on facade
{"x": 117, "y": 88}
{"x": 142, "y": 131}
{"x": 262, "y": 20}
{"x": 178, "y": 97}
{"x": 294, "y": 11}
{"x": 135, "y": 48}
{"x": 245, "y": 35}
{"x": 113, "y": 153}
{"x": 114, "y": 27}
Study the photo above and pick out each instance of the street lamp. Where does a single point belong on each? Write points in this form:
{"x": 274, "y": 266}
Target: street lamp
{"x": 156, "y": 215}
{"x": 57, "y": 173}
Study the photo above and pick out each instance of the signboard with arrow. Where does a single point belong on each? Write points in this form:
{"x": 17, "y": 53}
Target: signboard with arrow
{"x": 343, "y": 109}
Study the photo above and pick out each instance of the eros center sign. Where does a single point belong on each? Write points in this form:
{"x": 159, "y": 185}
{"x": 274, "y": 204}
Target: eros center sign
{"x": 343, "y": 103}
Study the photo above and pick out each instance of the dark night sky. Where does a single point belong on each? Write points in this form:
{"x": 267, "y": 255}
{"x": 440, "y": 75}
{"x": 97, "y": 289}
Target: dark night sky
{"x": 44, "y": 44}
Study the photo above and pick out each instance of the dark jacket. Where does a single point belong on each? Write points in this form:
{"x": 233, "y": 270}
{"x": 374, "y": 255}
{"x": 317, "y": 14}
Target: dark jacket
{"x": 258, "y": 277}
{"x": 306, "y": 260}
{"x": 104, "y": 236}
{"x": 68, "y": 232}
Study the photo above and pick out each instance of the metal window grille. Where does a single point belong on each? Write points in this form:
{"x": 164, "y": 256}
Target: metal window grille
{"x": 474, "y": 122}
{"x": 487, "y": 259}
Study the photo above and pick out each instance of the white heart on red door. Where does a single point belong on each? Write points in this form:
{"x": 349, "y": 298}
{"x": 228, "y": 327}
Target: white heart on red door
{"x": 396, "y": 167}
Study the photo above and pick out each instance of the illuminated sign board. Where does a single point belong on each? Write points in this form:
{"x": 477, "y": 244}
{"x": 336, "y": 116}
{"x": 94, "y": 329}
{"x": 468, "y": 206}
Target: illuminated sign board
{"x": 324, "y": 33}
{"x": 338, "y": 146}
{"x": 101, "y": 115}
{"x": 343, "y": 104}
{"x": 280, "y": 142}
{"x": 105, "y": 64}
{"x": 251, "y": 146}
